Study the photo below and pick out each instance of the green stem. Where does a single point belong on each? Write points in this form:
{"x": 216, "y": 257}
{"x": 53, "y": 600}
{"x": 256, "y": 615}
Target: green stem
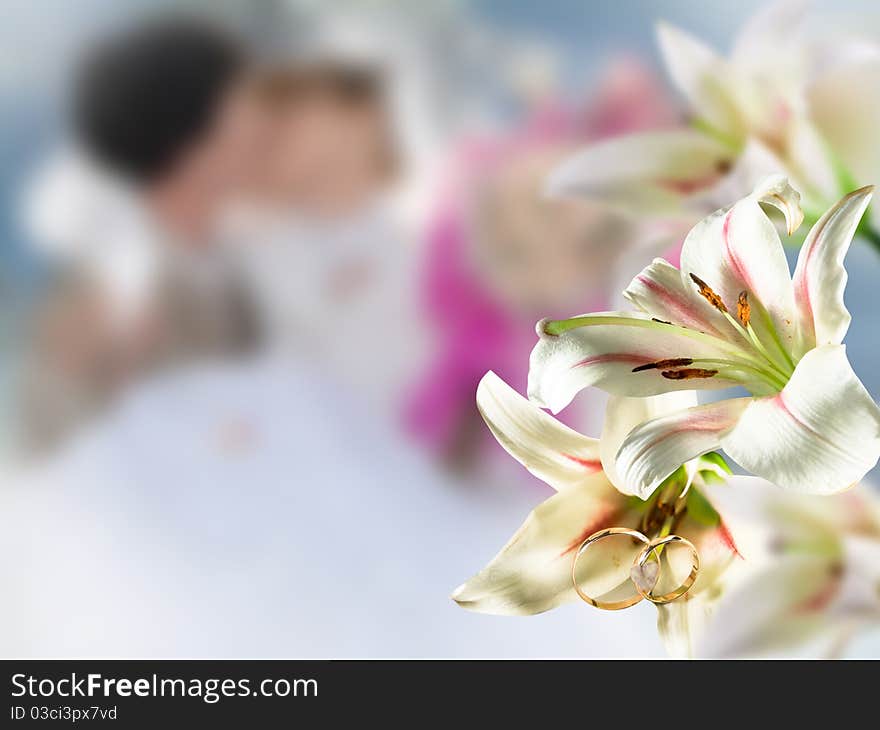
{"x": 665, "y": 530}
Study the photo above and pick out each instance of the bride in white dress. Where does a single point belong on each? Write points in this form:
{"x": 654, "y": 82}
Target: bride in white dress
{"x": 254, "y": 511}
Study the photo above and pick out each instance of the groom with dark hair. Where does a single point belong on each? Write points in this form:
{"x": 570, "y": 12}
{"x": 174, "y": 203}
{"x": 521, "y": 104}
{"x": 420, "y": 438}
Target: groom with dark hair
{"x": 164, "y": 114}
{"x": 166, "y": 105}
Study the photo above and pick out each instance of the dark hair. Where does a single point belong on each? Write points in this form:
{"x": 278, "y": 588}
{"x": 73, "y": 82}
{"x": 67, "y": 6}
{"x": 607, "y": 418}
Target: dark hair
{"x": 142, "y": 96}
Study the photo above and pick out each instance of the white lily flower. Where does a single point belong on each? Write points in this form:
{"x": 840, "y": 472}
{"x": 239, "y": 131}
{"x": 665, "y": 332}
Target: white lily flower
{"x": 732, "y": 316}
{"x": 810, "y": 575}
{"x": 774, "y": 104}
{"x": 533, "y": 572}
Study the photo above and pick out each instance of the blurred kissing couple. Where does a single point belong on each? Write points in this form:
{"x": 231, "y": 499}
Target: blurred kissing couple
{"x": 207, "y": 200}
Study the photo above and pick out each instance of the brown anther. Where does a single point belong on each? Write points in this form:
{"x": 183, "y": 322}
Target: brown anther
{"x": 661, "y": 321}
{"x": 743, "y": 308}
{"x": 688, "y": 373}
{"x": 707, "y": 293}
{"x": 675, "y": 362}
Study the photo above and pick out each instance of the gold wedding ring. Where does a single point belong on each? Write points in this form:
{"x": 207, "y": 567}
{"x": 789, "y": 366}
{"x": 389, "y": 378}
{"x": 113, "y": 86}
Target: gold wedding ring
{"x": 650, "y": 546}
{"x": 585, "y": 545}
{"x": 655, "y": 544}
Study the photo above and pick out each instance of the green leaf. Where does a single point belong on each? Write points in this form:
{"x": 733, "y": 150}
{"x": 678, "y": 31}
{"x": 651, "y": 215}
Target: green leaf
{"x": 701, "y": 509}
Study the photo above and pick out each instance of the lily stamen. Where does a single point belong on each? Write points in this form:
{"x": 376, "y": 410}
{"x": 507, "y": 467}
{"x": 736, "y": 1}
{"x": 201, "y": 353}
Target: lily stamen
{"x": 735, "y": 370}
{"x": 688, "y": 373}
{"x": 664, "y": 364}
{"x": 729, "y": 370}
{"x": 743, "y": 326}
{"x": 743, "y": 308}
{"x": 708, "y": 294}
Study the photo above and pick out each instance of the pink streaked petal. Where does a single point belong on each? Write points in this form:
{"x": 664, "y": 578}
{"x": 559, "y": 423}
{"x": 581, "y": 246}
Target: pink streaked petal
{"x": 651, "y": 171}
{"x": 726, "y": 538}
{"x": 658, "y": 290}
{"x": 622, "y": 415}
{"x": 602, "y": 349}
{"x": 657, "y": 448}
{"x": 532, "y": 573}
{"x": 609, "y": 516}
{"x": 695, "y": 185}
{"x": 820, "y": 435}
{"x": 549, "y": 449}
{"x": 590, "y": 465}
{"x": 630, "y": 359}
{"x": 738, "y": 250}
{"x": 820, "y": 277}
{"x": 824, "y": 595}
{"x": 731, "y": 256}
{"x": 762, "y": 613}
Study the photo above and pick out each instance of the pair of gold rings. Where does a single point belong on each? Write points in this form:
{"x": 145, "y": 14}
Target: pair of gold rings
{"x": 650, "y": 546}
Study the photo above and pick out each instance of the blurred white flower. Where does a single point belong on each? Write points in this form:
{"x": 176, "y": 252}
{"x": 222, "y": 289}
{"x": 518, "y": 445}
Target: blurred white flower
{"x": 809, "y": 424}
{"x": 809, "y": 580}
{"x": 777, "y": 103}
{"x": 533, "y": 572}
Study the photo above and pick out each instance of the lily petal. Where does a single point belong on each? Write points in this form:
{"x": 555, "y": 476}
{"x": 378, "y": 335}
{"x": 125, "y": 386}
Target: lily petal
{"x": 770, "y": 610}
{"x": 738, "y": 250}
{"x": 682, "y": 623}
{"x": 658, "y": 447}
{"x": 775, "y": 190}
{"x": 820, "y": 434}
{"x": 532, "y": 573}
{"x": 823, "y": 550}
{"x": 602, "y": 349}
{"x": 651, "y": 170}
{"x": 844, "y": 103}
{"x": 623, "y": 414}
{"x": 658, "y": 290}
{"x": 809, "y": 160}
{"x": 549, "y": 449}
{"x": 702, "y": 77}
{"x": 755, "y": 163}
{"x": 820, "y": 278}
{"x": 768, "y": 33}
{"x": 860, "y": 584}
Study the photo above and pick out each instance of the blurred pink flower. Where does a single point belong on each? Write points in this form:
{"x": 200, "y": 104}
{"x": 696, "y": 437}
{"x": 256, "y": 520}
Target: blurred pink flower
{"x": 475, "y": 327}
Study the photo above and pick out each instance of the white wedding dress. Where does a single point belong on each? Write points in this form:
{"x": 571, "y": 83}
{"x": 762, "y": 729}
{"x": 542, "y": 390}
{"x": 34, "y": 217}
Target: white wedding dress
{"x": 252, "y": 511}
